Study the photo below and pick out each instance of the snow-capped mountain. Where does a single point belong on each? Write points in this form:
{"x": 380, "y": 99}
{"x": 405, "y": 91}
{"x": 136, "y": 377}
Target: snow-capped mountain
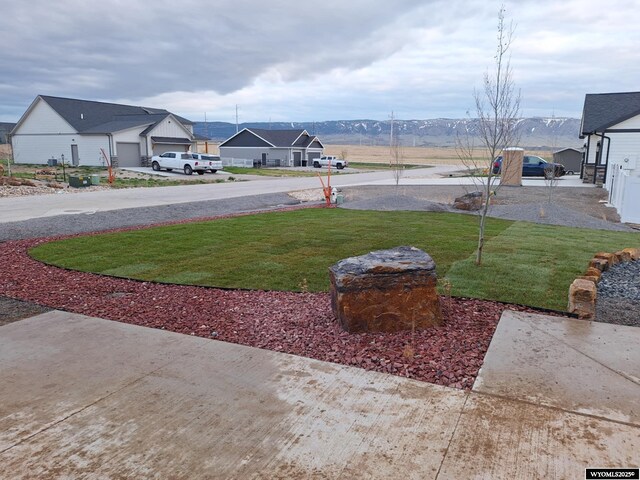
{"x": 534, "y": 132}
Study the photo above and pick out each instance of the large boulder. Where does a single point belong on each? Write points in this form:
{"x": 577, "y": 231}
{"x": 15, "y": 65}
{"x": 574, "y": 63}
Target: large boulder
{"x": 386, "y": 291}
{"x": 582, "y": 298}
{"x": 471, "y": 201}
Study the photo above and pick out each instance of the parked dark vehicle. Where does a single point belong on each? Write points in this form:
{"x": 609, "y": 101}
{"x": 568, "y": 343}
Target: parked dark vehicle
{"x": 533, "y": 166}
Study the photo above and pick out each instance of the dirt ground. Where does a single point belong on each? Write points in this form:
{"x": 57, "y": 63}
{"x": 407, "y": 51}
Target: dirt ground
{"x": 12, "y": 310}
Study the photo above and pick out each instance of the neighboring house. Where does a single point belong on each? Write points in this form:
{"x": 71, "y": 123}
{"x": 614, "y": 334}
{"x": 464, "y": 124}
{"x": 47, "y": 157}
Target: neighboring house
{"x": 272, "y": 148}
{"x": 571, "y": 158}
{"x": 611, "y": 125}
{"x": 5, "y": 128}
{"x": 81, "y": 129}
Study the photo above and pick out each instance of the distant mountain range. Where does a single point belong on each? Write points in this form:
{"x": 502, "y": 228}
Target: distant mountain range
{"x": 534, "y": 132}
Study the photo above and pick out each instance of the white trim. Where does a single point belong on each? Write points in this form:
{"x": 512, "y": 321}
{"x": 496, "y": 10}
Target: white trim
{"x": 252, "y": 133}
{"x": 315, "y": 138}
{"x": 302, "y": 133}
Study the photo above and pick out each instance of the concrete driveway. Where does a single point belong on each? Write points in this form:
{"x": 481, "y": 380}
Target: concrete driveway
{"x": 90, "y": 398}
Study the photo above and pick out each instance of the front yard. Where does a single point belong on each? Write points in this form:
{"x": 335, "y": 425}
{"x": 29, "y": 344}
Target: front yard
{"x": 524, "y": 263}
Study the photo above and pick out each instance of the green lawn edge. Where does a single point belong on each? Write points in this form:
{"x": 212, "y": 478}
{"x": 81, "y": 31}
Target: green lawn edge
{"x": 524, "y": 263}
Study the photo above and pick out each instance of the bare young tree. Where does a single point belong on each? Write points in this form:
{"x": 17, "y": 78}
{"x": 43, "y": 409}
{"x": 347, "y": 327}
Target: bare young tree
{"x": 397, "y": 160}
{"x": 497, "y": 107}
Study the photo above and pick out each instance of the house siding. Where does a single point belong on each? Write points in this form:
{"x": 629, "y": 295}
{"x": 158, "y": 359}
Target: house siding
{"x": 630, "y": 123}
{"x": 168, "y": 128}
{"x": 246, "y": 155}
{"x": 623, "y": 178}
{"x": 44, "y": 120}
{"x": 39, "y": 148}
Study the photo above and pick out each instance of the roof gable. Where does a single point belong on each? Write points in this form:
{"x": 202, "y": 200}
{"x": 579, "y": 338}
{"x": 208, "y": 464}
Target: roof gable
{"x": 279, "y": 138}
{"x": 603, "y": 110}
{"x": 246, "y": 138}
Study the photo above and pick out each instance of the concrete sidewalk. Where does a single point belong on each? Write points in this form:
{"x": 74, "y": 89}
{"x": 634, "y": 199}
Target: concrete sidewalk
{"x": 84, "y": 397}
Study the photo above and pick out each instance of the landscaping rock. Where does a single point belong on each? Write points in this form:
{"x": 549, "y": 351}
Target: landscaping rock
{"x": 386, "y": 291}
{"x": 582, "y": 298}
{"x": 609, "y": 257}
{"x": 470, "y": 202}
{"x": 634, "y": 253}
{"x": 593, "y": 272}
{"x": 589, "y": 278}
{"x": 599, "y": 263}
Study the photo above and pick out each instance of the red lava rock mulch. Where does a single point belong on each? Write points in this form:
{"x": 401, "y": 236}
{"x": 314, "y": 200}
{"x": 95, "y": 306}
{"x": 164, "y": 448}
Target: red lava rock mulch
{"x": 296, "y": 323}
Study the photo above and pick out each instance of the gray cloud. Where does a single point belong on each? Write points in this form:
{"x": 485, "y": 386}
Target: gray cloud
{"x": 136, "y": 49}
{"x": 290, "y": 60}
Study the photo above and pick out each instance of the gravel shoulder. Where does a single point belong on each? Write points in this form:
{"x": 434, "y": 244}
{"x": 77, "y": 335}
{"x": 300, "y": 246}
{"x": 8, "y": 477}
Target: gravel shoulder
{"x": 571, "y": 207}
{"x": 139, "y": 217}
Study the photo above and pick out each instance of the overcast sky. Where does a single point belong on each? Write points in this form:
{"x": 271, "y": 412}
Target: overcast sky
{"x": 286, "y": 60}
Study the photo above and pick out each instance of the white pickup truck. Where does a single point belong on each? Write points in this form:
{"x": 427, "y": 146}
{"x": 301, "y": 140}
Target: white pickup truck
{"x": 326, "y": 159}
{"x": 186, "y": 161}
{"x": 212, "y": 162}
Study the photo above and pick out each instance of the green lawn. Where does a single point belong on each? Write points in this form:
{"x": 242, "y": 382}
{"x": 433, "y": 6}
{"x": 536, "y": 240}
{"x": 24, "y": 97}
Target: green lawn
{"x": 523, "y": 263}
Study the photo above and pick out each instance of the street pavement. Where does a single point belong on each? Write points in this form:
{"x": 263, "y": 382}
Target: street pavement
{"x": 13, "y": 209}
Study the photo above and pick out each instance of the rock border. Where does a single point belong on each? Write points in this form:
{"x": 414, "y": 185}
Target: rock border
{"x": 583, "y": 292}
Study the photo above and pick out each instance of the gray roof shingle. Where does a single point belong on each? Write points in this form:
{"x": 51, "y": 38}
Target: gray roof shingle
{"x": 87, "y": 116}
{"x": 280, "y": 138}
{"x": 603, "y": 110}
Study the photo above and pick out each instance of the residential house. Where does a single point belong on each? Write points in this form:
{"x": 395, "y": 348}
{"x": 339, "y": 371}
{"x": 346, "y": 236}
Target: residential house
{"x": 611, "y": 126}
{"x": 5, "y": 128}
{"x": 277, "y": 148}
{"x": 86, "y": 132}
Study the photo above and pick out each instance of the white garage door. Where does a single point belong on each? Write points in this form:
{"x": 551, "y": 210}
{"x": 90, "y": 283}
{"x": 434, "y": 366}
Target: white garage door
{"x": 128, "y": 154}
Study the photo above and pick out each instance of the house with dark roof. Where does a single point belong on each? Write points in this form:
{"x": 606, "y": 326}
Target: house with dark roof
{"x": 5, "y": 128}
{"x": 85, "y": 132}
{"x": 611, "y": 126}
{"x": 271, "y": 148}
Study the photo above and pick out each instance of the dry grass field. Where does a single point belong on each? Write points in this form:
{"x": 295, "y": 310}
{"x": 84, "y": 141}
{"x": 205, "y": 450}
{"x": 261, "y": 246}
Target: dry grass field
{"x": 411, "y": 155}
{"x": 368, "y": 154}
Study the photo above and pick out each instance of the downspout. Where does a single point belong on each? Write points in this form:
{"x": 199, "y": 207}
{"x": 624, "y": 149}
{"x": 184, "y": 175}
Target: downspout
{"x": 110, "y": 151}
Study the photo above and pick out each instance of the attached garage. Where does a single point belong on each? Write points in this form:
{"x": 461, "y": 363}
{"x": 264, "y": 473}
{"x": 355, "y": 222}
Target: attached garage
{"x": 170, "y": 144}
{"x": 128, "y": 154}
{"x": 312, "y": 155}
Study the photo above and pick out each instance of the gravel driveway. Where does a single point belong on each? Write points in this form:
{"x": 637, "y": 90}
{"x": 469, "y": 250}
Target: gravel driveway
{"x": 572, "y": 207}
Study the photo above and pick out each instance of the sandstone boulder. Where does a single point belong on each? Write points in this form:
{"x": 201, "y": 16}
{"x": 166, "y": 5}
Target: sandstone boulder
{"x": 609, "y": 257}
{"x": 471, "y": 201}
{"x": 386, "y": 291}
{"x": 622, "y": 256}
{"x": 593, "y": 272}
{"x": 582, "y": 298}
{"x": 599, "y": 263}
{"x": 634, "y": 253}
